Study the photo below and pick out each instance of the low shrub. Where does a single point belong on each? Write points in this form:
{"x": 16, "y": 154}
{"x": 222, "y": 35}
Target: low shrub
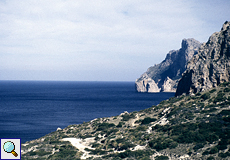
{"x": 212, "y": 91}
{"x": 140, "y": 128}
{"x": 161, "y": 158}
{"x": 42, "y": 152}
{"x": 65, "y": 152}
{"x": 138, "y": 154}
{"x": 222, "y": 155}
{"x": 148, "y": 120}
{"x": 120, "y": 124}
{"x": 96, "y": 151}
{"x": 127, "y": 117}
{"x": 219, "y": 98}
{"x": 198, "y": 146}
{"x": 225, "y": 112}
{"x": 104, "y": 126}
{"x": 222, "y": 147}
{"x": 162, "y": 143}
{"x": 126, "y": 146}
{"x": 205, "y": 96}
{"x": 95, "y": 145}
{"x": 108, "y": 132}
{"x": 205, "y": 153}
{"x": 212, "y": 138}
{"x": 211, "y": 158}
{"x": 227, "y": 90}
{"x": 120, "y": 140}
{"x": 226, "y": 119}
{"x": 224, "y": 84}
{"x": 214, "y": 150}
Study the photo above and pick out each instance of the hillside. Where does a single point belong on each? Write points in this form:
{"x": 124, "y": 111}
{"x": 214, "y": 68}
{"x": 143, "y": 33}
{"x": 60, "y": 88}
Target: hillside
{"x": 185, "y": 127}
{"x": 165, "y": 76}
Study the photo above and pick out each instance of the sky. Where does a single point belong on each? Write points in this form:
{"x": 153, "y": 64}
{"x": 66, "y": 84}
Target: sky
{"x": 98, "y": 40}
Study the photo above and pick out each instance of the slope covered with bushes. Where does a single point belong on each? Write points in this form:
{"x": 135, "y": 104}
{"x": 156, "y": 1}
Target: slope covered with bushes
{"x": 192, "y": 127}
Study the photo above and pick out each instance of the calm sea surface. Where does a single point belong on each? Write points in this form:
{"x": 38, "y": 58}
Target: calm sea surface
{"x": 32, "y": 109}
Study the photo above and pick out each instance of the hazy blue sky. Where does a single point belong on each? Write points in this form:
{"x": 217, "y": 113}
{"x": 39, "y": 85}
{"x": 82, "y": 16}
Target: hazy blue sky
{"x": 109, "y": 40}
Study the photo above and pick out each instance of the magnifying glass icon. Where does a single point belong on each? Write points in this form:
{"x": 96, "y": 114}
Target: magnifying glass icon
{"x": 9, "y": 147}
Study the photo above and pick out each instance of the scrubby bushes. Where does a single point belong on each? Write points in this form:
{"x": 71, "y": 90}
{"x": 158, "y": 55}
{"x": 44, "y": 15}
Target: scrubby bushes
{"x": 148, "y": 120}
{"x": 96, "y": 151}
{"x": 161, "y": 158}
{"x": 220, "y": 97}
{"x": 227, "y": 90}
{"x": 211, "y": 158}
{"x": 198, "y": 146}
{"x": 65, "y": 152}
{"x": 125, "y": 146}
{"x": 104, "y": 126}
{"x": 206, "y": 96}
{"x": 127, "y": 117}
{"x": 120, "y": 124}
{"x": 214, "y": 150}
{"x": 200, "y": 133}
{"x": 225, "y": 112}
{"x": 212, "y": 91}
{"x": 224, "y": 84}
{"x": 120, "y": 144}
{"x": 162, "y": 143}
{"x": 224, "y": 155}
{"x": 138, "y": 154}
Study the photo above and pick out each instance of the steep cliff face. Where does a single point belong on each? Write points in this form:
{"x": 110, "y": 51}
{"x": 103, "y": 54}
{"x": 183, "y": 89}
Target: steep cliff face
{"x": 210, "y": 67}
{"x": 164, "y": 77}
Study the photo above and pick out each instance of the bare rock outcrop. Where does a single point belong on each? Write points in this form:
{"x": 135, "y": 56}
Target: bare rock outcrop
{"x": 210, "y": 67}
{"x": 165, "y": 76}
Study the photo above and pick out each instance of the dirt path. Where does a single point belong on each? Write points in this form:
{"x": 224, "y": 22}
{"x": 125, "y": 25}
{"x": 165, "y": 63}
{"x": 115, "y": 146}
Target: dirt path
{"x": 81, "y": 144}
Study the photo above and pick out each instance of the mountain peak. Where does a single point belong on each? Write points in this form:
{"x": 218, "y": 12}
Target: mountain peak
{"x": 189, "y": 42}
{"x": 226, "y": 26}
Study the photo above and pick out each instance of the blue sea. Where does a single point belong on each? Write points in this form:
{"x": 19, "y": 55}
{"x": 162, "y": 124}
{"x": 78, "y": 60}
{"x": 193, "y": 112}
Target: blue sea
{"x": 32, "y": 109}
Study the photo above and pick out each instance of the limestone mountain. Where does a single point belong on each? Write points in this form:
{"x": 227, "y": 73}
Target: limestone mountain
{"x": 210, "y": 67}
{"x": 164, "y": 77}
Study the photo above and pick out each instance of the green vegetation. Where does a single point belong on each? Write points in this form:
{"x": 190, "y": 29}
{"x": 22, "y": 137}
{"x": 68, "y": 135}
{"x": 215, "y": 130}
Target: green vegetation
{"x": 148, "y": 120}
{"x": 96, "y": 151}
{"x": 161, "y": 158}
{"x": 65, "y": 152}
{"x": 162, "y": 143}
{"x": 184, "y": 125}
{"x": 40, "y": 152}
{"x": 206, "y": 96}
{"x": 139, "y": 154}
{"x": 120, "y": 124}
{"x": 127, "y": 117}
{"x": 104, "y": 126}
{"x": 220, "y": 97}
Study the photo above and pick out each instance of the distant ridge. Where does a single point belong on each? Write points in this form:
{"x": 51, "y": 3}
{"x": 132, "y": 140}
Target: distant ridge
{"x": 164, "y": 77}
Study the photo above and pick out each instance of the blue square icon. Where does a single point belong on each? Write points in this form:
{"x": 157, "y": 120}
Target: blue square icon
{"x": 10, "y": 148}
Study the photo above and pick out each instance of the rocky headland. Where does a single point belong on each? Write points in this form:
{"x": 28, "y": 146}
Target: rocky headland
{"x": 165, "y": 76}
{"x": 210, "y": 67}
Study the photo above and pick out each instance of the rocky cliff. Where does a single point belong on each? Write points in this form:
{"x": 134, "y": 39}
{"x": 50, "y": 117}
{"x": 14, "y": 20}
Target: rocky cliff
{"x": 210, "y": 67}
{"x": 165, "y": 76}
